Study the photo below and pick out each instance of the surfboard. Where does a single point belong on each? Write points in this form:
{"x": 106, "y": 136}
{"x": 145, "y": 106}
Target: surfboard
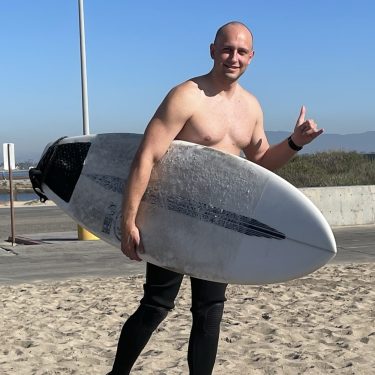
{"x": 205, "y": 213}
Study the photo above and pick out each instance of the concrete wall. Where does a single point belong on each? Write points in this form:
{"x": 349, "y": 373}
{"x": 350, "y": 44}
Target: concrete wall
{"x": 344, "y": 205}
{"x": 341, "y": 205}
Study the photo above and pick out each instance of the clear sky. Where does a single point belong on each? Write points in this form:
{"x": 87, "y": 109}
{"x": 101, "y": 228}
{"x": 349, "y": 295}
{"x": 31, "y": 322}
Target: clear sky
{"x": 319, "y": 53}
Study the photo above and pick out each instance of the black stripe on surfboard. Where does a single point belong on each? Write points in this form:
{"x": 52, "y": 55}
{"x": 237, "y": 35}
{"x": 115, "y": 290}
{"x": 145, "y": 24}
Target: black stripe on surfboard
{"x": 211, "y": 214}
{"x": 198, "y": 210}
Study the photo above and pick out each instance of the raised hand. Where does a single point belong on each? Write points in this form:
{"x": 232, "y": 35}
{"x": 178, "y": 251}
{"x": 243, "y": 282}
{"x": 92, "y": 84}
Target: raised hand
{"x": 305, "y": 131}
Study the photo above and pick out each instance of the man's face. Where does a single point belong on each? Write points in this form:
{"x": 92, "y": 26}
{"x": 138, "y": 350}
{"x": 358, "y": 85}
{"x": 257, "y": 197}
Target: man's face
{"x": 232, "y": 52}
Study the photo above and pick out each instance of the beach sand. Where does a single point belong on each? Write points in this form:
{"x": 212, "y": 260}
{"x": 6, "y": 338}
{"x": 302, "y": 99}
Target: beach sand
{"x": 321, "y": 324}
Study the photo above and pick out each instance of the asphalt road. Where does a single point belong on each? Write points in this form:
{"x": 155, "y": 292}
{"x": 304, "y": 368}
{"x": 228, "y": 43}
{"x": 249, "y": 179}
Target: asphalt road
{"x": 60, "y": 255}
{"x": 35, "y": 219}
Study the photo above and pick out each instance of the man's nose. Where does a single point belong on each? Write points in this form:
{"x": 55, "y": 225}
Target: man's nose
{"x": 234, "y": 56}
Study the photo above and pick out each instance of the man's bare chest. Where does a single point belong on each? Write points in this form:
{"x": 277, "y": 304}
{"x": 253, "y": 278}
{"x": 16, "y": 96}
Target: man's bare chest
{"x": 214, "y": 125}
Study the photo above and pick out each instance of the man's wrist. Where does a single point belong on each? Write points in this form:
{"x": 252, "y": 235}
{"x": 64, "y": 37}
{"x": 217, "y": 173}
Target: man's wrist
{"x": 292, "y": 145}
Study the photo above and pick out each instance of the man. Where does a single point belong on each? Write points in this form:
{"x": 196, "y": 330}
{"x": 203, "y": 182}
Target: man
{"x": 215, "y": 111}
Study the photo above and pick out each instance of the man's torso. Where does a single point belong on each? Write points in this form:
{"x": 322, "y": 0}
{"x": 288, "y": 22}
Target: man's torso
{"x": 221, "y": 121}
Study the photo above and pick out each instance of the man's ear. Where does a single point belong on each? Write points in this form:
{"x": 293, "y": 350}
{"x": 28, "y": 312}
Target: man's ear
{"x": 251, "y": 57}
{"x": 212, "y": 50}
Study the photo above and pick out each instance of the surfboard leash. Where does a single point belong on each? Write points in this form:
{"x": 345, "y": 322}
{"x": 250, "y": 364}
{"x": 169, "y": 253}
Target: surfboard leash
{"x": 38, "y": 174}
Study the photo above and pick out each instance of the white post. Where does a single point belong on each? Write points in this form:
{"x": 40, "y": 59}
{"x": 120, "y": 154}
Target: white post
{"x": 85, "y": 106}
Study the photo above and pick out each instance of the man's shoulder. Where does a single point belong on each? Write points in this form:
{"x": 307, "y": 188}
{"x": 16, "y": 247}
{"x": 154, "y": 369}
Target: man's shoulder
{"x": 249, "y": 97}
{"x": 188, "y": 90}
{"x": 247, "y": 94}
{"x": 191, "y": 84}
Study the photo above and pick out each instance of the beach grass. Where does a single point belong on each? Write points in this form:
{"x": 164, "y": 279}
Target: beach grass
{"x": 334, "y": 168}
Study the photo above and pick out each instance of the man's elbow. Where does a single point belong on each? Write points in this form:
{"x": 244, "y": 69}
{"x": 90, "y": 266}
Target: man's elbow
{"x": 266, "y": 161}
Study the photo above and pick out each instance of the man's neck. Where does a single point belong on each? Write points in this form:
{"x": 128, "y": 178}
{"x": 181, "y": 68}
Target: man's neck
{"x": 221, "y": 85}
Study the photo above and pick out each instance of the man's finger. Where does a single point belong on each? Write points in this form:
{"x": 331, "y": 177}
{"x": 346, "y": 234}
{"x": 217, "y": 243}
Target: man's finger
{"x": 128, "y": 247}
{"x": 134, "y": 246}
{"x": 317, "y": 133}
{"x": 301, "y": 118}
{"x": 140, "y": 248}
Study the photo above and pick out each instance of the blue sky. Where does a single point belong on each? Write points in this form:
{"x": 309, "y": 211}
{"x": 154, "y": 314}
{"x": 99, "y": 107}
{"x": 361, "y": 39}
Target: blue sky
{"x": 313, "y": 52}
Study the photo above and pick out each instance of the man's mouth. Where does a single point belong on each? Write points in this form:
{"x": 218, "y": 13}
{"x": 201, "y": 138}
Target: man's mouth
{"x": 231, "y": 67}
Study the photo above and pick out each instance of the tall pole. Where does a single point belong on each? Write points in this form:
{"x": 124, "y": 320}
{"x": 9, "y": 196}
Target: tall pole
{"x": 85, "y": 105}
{"x": 83, "y": 234}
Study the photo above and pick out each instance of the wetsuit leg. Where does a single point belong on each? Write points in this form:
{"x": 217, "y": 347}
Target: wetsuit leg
{"x": 160, "y": 291}
{"x": 207, "y": 309}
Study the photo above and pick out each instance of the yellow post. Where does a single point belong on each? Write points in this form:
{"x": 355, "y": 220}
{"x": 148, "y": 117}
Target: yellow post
{"x": 85, "y": 235}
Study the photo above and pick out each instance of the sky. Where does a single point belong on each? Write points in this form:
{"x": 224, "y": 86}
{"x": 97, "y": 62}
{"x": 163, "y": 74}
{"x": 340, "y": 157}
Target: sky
{"x": 319, "y": 53}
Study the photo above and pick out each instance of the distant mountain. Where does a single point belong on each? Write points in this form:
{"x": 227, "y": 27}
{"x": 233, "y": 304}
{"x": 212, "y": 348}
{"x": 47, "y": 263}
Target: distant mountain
{"x": 362, "y": 142}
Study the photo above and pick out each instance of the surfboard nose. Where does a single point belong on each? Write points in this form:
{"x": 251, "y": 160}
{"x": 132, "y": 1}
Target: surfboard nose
{"x": 296, "y": 216}
{"x": 332, "y": 241}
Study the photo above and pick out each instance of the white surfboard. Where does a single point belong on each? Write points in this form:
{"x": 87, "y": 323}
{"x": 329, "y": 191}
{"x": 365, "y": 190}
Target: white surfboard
{"x": 205, "y": 213}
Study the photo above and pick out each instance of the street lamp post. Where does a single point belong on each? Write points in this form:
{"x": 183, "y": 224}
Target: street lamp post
{"x": 83, "y": 234}
{"x": 85, "y": 105}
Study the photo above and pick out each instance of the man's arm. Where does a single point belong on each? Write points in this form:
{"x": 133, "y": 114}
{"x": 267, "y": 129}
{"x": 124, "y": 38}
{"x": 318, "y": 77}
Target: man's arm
{"x": 275, "y": 156}
{"x": 167, "y": 122}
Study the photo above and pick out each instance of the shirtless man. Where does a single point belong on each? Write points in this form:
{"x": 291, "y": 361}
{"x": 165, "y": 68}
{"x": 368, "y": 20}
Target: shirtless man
{"x": 215, "y": 111}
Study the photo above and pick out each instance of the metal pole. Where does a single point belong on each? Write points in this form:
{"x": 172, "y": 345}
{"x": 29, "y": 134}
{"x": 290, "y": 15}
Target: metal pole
{"x": 83, "y": 234}
{"x": 11, "y": 198}
{"x": 85, "y": 110}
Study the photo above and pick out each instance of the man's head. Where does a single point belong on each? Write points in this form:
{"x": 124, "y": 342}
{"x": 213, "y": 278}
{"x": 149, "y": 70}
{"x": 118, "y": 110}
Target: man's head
{"x": 232, "y": 50}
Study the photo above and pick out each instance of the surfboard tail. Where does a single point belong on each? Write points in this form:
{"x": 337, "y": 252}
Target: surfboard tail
{"x": 59, "y": 168}
{"x": 37, "y": 175}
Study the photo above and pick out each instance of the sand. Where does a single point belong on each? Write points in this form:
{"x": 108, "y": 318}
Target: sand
{"x": 321, "y": 324}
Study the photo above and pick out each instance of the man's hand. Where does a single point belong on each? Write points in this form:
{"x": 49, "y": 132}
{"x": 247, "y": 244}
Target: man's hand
{"x": 131, "y": 242}
{"x": 305, "y": 131}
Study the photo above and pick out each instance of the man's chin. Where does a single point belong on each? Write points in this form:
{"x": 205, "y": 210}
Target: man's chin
{"x": 232, "y": 76}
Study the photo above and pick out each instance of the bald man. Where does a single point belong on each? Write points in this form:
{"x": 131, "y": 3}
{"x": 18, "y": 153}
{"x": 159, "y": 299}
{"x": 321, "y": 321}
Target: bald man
{"x": 215, "y": 111}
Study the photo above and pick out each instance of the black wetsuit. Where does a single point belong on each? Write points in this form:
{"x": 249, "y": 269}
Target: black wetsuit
{"x": 160, "y": 291}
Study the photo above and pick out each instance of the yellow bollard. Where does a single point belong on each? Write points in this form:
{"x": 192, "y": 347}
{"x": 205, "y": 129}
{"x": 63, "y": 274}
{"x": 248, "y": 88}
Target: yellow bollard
{"x": 85, "y": 235}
